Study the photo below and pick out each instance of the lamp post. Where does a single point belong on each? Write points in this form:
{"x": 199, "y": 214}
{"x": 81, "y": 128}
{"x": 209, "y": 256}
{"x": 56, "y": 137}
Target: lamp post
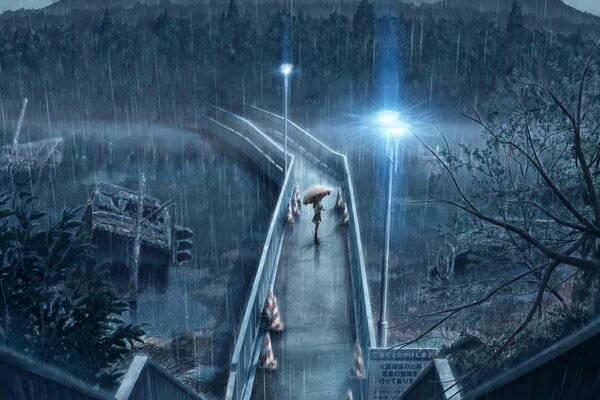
{"x": 286, "y": 70}
{"x": 393, "y": 129}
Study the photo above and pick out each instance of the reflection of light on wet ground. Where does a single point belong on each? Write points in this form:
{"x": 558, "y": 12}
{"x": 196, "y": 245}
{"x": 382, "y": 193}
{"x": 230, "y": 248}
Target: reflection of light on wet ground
{"x": 218, "y": 194}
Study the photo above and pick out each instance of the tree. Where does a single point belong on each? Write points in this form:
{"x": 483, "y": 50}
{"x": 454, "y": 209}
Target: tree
{"x": 55, "y": 305}
{"x": 165, "y": 31}
{"x": 235, "y": 34}
{"x": 534, "y": 191}
{"x": 514, "y": 26}
{"x": 106, "y": 24}
{"x": 363, "y": 33}
{"x": 363, "y": 21}
{"x": 232, "y": 11}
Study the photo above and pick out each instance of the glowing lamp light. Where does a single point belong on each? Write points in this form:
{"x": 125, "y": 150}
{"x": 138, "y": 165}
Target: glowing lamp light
{"x": 286, "y": 69}
{"x": 391, "y": 123}
{"x": 387, "y": 117}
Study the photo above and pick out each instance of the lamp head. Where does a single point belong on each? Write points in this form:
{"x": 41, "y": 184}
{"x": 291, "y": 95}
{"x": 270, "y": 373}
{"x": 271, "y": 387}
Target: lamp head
{"x": 387, "y": 117}
{"x": 286, "y": 69}
{"x": 391, "y": 123}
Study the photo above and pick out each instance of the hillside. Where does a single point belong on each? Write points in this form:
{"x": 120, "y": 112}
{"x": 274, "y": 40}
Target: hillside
{"x": 539, "y": 10}
{"x": 540, "y": 14}
{"x": 62, "y": 7}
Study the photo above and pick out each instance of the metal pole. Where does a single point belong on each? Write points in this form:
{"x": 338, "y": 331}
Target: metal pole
{"x": 19, "y": 125}
{"x": 137, "y": 244}
{"x": 386, "y": 252}
{"x": 285, "y": 119}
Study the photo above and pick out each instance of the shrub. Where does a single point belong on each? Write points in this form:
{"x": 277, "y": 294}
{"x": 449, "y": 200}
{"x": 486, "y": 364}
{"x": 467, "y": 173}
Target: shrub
{"x": 56, "y": 305}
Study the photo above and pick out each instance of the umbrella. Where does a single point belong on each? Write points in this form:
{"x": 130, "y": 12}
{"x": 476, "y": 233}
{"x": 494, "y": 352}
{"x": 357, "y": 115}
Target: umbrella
{"x": 315, "y": 193}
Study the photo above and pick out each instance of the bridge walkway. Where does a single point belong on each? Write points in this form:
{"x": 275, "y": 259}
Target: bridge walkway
{"x": 314, "y": 294}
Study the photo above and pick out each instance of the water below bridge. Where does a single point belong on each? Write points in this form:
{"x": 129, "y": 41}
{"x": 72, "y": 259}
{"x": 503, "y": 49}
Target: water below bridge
{"x": 193, "y": 310}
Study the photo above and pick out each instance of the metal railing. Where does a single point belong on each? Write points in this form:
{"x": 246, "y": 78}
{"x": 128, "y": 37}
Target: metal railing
{"x": 338, "y": 165}
{"x": 568, "y": 369}
{"x": 24, "y": 378}
{"x": 247, "y": 347}
{"x": 146, "y": 380}
{"x": 360, "y": 286}
{"x": 436, "y": 382}
{"x": 247, "y": 128}
{"x": 268, "y": 155}
{"x": 306, "y": 144}
{"x": 271, "y": 165}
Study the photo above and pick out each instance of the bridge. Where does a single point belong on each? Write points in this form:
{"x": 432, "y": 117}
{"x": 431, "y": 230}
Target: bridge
{"x": 321, "y": 290}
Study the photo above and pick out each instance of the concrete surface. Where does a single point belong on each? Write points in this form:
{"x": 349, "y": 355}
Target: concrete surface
{"x": 314, "y": 295}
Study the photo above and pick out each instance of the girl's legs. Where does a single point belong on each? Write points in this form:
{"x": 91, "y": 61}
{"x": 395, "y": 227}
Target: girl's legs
{"x": 316, "y": 233}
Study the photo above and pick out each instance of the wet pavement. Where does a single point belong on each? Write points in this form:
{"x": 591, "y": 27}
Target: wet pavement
{"x": 314, "y": 295}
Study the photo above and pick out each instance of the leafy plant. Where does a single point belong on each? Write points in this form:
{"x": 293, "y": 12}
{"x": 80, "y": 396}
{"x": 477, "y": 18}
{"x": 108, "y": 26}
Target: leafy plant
{"x": 56, "y": 304}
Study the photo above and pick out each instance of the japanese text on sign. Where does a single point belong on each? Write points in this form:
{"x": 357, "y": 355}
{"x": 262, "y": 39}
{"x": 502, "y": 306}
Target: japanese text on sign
{"x": 392, "y": 371}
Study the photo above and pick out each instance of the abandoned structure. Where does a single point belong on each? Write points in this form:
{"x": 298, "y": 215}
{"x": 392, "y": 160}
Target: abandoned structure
{"x": 110, "y": 221}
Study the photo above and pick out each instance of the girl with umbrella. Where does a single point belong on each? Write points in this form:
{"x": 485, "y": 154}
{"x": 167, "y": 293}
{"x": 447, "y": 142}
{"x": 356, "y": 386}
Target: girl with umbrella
{"x": 314, "y": 196}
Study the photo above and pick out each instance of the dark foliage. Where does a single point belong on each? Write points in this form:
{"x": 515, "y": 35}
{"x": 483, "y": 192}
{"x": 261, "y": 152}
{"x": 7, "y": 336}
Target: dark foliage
{"x": 166, "y": 64}
{"x": 56, "y": 306}
{"x": 472, "y": 350}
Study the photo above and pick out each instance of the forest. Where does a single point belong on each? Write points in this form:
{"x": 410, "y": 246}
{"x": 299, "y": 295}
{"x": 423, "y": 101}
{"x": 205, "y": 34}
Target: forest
{"x": 168, "y": 66}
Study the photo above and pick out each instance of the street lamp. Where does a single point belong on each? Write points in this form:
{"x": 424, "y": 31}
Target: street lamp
{"x": 393, "y": 128}
{"x": 286, "y": 70}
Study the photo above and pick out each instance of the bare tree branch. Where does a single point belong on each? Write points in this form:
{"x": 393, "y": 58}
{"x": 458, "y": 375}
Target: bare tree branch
{"x": 591, "y": 265}
{"x": 541, "y": 170}
{"x": 587, "y": 176}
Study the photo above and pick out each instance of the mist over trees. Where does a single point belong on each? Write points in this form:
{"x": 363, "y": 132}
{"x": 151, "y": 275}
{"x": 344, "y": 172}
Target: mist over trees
{"x": 166, "y": 66}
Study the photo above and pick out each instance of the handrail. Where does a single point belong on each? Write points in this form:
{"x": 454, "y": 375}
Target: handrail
{"x": 261, "y": 147}
{"x": 245, "y": 354}
{"x": 270, "y": 163}
{"x": 226, "y": 116}
{"x": 263, "y": 143}
{"x": 316, "y": 150}
{"x": 550, "y": 353}
{"x": 436, "y": 381}
{"x": 364, "y": 291}
{"x": 19, "y": 371}
{"x": 147, "y": 380}
{"x": 444, "y": 381}
{"x": 294, "y": 125}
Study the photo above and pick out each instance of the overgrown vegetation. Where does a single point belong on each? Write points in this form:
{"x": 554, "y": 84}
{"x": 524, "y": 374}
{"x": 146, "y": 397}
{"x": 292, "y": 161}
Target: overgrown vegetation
{"x": 473, "y": 348}
{"x": 529, "y": 204}
{"x": 56, "y": 305}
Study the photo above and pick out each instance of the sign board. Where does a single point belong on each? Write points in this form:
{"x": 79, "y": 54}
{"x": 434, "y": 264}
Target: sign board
{"x": 392, "y": 371}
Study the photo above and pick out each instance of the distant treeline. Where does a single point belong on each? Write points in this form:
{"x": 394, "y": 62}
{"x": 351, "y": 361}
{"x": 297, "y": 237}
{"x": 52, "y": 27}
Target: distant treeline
{"x": 166, "y": 67}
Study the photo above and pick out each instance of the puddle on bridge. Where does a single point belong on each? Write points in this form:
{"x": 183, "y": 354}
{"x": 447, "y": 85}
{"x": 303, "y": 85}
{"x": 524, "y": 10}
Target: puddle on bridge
{"x": 218, "y": 194}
